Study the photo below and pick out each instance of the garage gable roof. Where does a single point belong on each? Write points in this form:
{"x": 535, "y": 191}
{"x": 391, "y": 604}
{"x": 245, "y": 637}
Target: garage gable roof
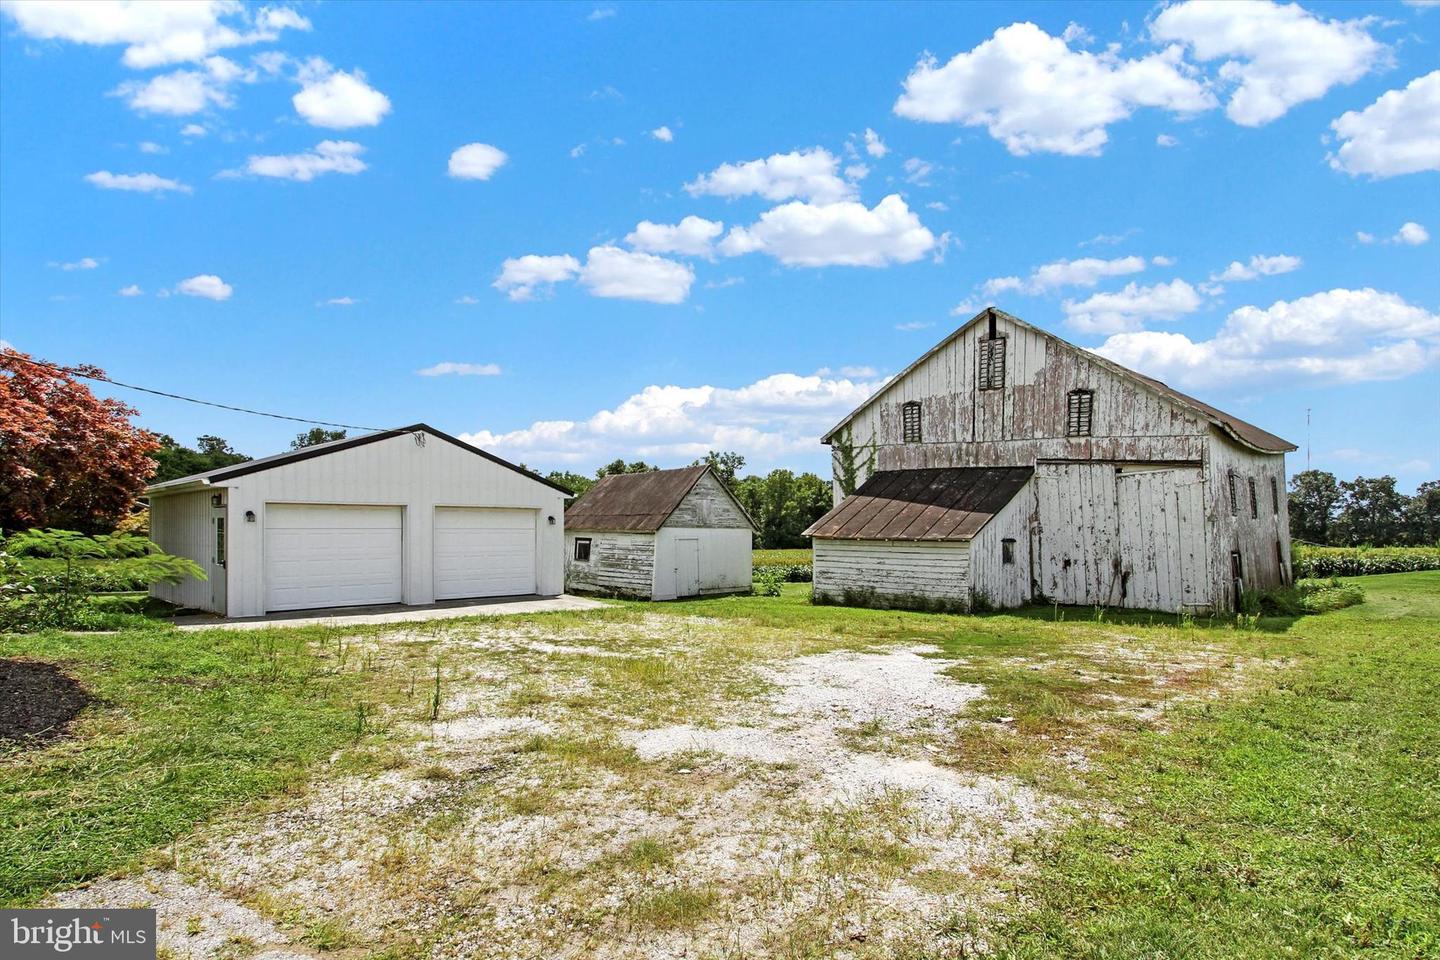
{"x": 637, "y": 502}
{"x": 945, "y": 503}
{"x": 335, "y": 446}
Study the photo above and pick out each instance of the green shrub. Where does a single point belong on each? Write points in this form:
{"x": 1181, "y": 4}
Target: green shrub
{"x": 785, "y": 572}
{"x": 767, "y": 584}
{"x": 1310, "y": 596}
{"x": 1309, "y": 561}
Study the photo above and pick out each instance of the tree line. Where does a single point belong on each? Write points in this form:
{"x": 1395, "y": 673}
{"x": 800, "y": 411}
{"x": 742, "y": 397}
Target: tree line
{"x": 1366, "y": 511}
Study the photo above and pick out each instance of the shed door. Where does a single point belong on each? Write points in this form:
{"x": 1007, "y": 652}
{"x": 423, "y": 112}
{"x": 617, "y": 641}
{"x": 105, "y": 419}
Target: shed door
{"x": 484, "y": 552}
{"x": 329, "y": 555}
{"x": 687, "y": 567}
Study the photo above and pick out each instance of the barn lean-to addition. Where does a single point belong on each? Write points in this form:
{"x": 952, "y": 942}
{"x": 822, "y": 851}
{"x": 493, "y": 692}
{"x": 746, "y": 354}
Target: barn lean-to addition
{"x": 407, "y": 516}
{"x": 658, "y": 535}
{"x": 1133, "y": 494}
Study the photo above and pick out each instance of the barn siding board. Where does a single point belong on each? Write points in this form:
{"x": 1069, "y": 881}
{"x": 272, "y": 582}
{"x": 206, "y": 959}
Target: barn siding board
{"x": 1002, "y": 584}
{"x": 620, "y": 564}
{"x": 892, "y": 571}
{"x": 183, "y": 524}
{"x": 708, "y": 504}
{"x": 1253, "y": 538}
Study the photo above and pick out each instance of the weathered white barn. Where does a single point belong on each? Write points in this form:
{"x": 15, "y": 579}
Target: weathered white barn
{"x": 409, "y": 516}
{"x": 658, "y": 536}
{"x": 1135, "y": 495}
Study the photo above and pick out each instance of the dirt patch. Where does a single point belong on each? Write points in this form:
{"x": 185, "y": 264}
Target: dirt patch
{"x": 37, "y": 700}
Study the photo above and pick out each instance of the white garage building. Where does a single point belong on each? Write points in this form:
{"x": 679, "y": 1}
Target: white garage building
{"x": 410, "y": 516}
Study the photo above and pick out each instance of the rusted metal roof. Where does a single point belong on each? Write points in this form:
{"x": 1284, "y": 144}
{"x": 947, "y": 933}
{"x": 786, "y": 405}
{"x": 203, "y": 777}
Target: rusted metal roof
{"x": 634, "y": 502}
{"x": 944, "y": 503}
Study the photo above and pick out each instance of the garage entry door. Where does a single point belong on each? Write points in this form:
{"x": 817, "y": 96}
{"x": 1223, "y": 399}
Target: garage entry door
{"x": 327, "y": 555}
{"x": 483, "y": 552}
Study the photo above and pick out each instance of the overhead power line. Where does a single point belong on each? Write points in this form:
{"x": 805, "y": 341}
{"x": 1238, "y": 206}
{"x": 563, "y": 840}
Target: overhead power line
{"x": 175, "y": 396}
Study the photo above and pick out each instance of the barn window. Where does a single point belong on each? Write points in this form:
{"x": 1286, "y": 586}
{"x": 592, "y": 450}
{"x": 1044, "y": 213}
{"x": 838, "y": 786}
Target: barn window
{"x": 1254, "y": 500}
{"x": 1234, "y": 494}
{"x": 1007, "y": 551}
{"x": 582, "y": 549}
{"x": 992, "y": 364}
{"x": 1081, "y": 403}
{"x": 910, "y": 421}
{"x": 220, "y": 541}
{"x": 1274, "y": 497}
{"x": 1280, "y": 562}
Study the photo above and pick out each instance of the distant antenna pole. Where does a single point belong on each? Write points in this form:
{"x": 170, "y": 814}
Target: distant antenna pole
{"x": 1307, "y": 438}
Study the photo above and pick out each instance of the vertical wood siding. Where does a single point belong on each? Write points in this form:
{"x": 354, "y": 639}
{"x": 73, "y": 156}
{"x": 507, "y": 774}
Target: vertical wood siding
{"x": 892, "y": 571}
{"x": 708, "y": 504}
{"x": 1254, "y": 538}
{"x": 620, "y": 564}
{"x": 183, "y": 524}
{"x": 726, "y": 564}
{"x": 1005, "y": 584}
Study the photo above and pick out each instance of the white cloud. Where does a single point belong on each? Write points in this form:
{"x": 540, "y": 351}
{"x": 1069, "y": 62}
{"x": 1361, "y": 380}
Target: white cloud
{"x": 1131, "y": 307}
{"x": 450, "y": 368}
{"x": 692, "y": 236}
{"x": 467, "y": 300}
{"x": 1083, "y": 272}
{"x": 856, "y": 171}
{"x": 1258, "y": 266}
{"x": 181, "y": 93}
{"x": 131, "y": 291}
{"x": 154, "y": 34}
{"x": 521, "y": 277}
{"x": 1165, "y": 140}
{"x": 874, "y": 145}
{"x": 337, "y": 100}
{"x": 329, "y": 156}
{"x": 84, "y": 263}
{"x": 1363, "y": 237}
{"x": 1412, "y": 234}
{"x": 149, "y": 146}
{"x": 7, "y": 345}
{"x": 1335, "y": 336}
{"x": 1397, "y": 134}
{"x": 629, "y": 275}
{"x": 1275, "y": 56}
{"x": 998, "y": 285}
{"x": 340, "y": 302}
{"x": 912, "y": 325}
{"x": 138, "y": 182}
{"x": 476, "y": 161}
{"x": 193, "y": 130}
{"x": 205, "y": 285}
{"x": 938, "y": 205}
{"x": 767, "y": 421}
{"x": 808, "y": 174}
{"x": 1036, "y": 95}
{"x": 847, "y": 234}
{"x": 918, "y": 171}
{"x": 601, "y": 13}
{"x": 662, "y": 133}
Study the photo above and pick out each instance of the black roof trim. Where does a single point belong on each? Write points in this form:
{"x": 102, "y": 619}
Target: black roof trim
{"x": 320, "y": 450}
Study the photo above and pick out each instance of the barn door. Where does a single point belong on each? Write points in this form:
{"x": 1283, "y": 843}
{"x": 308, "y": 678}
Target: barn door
{"x": 1161, "y": 538}
{"x": 1076, "y": 557}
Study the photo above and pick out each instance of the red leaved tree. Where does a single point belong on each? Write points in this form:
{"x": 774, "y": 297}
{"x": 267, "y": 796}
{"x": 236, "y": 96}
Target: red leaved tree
{"x": 68, "y": 459}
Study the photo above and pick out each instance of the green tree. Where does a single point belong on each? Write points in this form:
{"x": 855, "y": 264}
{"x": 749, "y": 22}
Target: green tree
{"x": 575, "y": 482}
{"x": 783, "y": 505}
{"x": 618, "y": 466}
{"x": 1371, "y": 512}
{"x": 1422, "y": 516}
{"x": 726, "y": 464}
{"x": 174, "y": 460}
{"x": 1314, "y": 495}
{"x": 315, "y": 435}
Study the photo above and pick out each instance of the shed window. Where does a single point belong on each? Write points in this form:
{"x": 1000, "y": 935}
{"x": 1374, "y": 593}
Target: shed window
{"x": 992, "y": 364}
{"x": 220, "y": 541}
{"x": 1234, "y": 494}
{"x": 1077, "y": 423}
{"x": 910, "y": 421}
{"x": 1274, "y": 496}
{"x": 582, "y": 549}
{"x": 1254, "y": 500}
{"x": 1007, "y": 550}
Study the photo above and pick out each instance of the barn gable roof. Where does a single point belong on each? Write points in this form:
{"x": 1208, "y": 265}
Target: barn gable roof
{"x": 1245, "y": 433}
{"x": 638, "y": 502}
{"x": 335, "y": 446}
{"x": 942, "y": 503}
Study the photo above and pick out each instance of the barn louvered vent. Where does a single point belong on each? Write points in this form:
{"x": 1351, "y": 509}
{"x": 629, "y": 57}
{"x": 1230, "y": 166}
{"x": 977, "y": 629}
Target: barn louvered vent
{"x": 992, "y": 364}
{"x": 1234, "y": 494}
{"x": 1082, "y": 402}
{"x": 910, "y": 421}
{"x": 1254, "y": 501}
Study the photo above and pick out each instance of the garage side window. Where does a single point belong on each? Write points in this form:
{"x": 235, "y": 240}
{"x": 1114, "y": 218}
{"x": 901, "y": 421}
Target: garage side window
{"x": 582, "y": 549}
{"x": 220, "y": 541}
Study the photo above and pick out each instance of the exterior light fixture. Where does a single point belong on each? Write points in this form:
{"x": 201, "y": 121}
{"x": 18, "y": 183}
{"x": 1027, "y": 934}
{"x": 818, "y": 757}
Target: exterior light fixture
{"x": 216, "y": 500}
{"x": 552, "y": 521}
{"x": 249, "y": 516}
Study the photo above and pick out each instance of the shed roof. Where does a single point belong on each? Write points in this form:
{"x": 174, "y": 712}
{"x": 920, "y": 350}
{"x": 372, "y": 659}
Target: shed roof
{"x": 942, "y": 503}
{"x": 1233, "y": 426}
{"x": 636, "y": 502}
{"x": 334, "y": 446}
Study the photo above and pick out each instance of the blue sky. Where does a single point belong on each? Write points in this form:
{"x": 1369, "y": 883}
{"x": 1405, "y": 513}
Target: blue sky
{"x": 1237, "y": 199}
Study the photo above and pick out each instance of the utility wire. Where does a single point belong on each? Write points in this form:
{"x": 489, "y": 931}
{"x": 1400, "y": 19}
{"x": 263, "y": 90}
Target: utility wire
{"x": 175, "y": 396}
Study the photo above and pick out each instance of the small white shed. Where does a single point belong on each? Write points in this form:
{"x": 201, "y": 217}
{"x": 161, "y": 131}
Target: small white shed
{"x": 659, "y": 535}
{"x": 409, "y": 516}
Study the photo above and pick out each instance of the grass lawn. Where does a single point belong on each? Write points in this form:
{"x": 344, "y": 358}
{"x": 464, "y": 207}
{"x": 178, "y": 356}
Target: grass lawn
{"x": 1266, "y": 788}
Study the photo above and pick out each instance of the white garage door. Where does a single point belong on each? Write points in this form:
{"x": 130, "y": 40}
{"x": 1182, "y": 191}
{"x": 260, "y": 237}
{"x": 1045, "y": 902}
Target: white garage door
{"x": 483, "y": 552}
{"x": 324, "y": 555}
